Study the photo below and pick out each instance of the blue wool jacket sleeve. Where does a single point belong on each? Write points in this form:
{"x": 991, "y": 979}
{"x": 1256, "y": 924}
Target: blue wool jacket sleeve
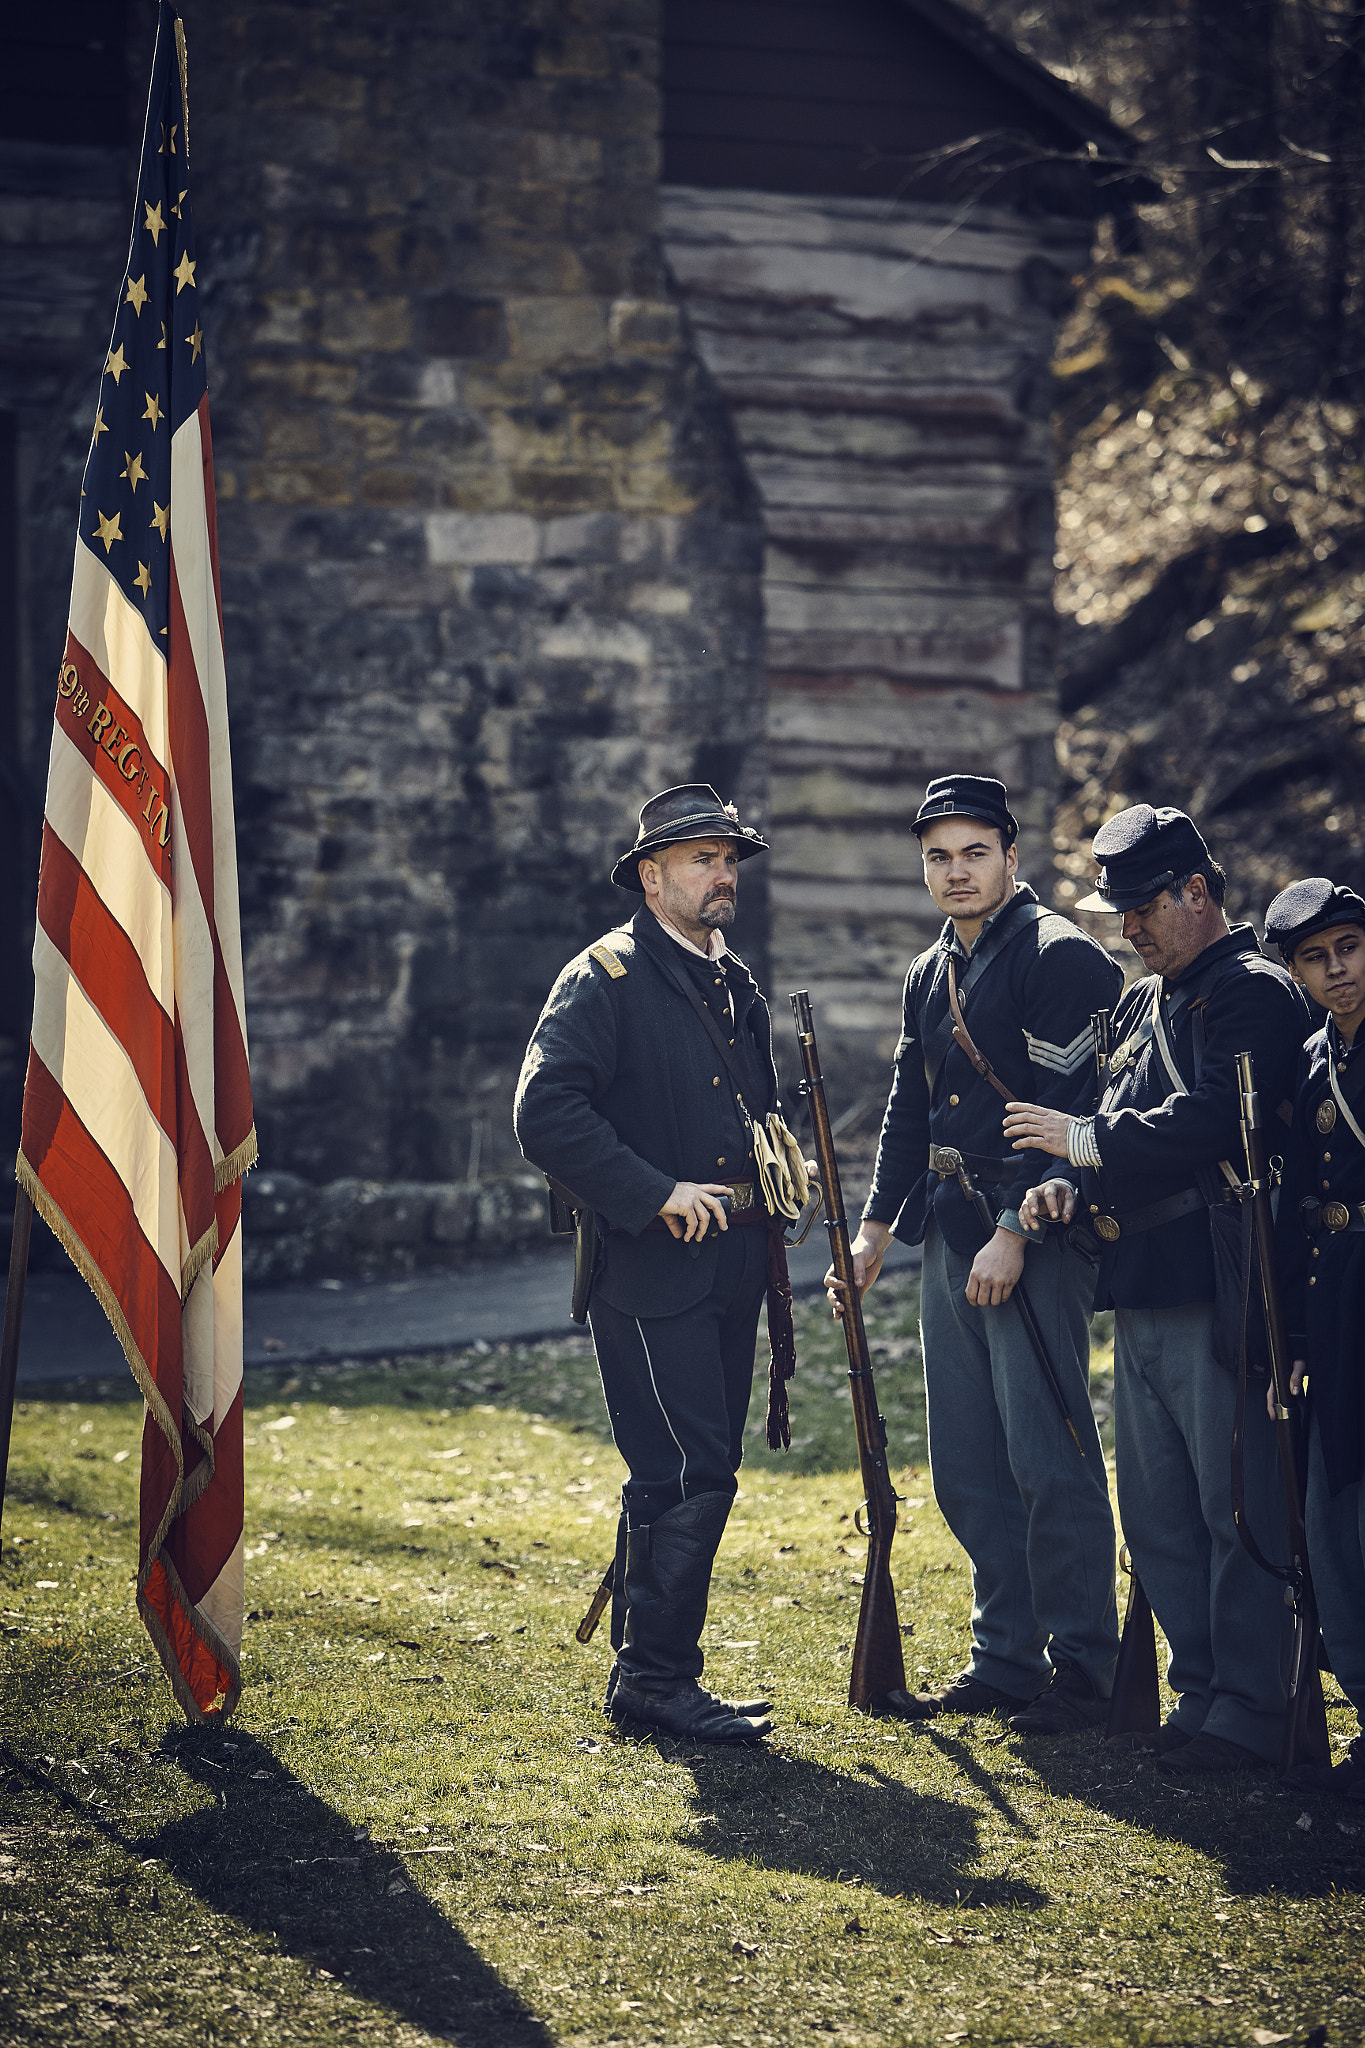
{"x": 569, "y": 1065}
{"x": 1256, "y": 1011}
{"x": 1066, "y": 982}
{"x": 903, "y": 1146}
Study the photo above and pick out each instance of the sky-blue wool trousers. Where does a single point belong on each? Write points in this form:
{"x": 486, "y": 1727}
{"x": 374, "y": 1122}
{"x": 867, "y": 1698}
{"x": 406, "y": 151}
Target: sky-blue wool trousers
{"x": 1030, "y": 1512}
{"x": 1225, "y": 1619}
{"x": 1336, "y": 1557}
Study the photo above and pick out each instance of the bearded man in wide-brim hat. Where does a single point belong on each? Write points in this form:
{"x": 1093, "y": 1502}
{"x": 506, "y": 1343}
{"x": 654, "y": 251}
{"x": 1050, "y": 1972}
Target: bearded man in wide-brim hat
{"x": 646, "y": 1089}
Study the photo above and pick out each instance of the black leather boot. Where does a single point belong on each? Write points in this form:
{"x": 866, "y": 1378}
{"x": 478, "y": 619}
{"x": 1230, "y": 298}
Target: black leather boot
{"x": 668, "y": 1579}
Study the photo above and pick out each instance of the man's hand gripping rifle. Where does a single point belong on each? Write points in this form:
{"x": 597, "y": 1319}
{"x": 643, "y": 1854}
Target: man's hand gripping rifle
{"x": 878, "y": 1660}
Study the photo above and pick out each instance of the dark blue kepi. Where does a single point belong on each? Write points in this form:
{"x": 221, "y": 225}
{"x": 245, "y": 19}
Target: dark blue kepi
{"x": 967, "y": 796}
{"x": 1141, "y": 851}
{"x": 1312, "y": 905}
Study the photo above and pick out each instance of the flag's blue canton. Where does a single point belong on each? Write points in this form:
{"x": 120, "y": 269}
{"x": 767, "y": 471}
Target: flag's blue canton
{"x": 154, "y": 375}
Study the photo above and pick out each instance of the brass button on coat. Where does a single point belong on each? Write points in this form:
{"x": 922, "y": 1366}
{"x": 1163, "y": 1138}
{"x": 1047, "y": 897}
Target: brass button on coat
{"x": 953, "y": 1101}
{"x": 715, "y": 1080}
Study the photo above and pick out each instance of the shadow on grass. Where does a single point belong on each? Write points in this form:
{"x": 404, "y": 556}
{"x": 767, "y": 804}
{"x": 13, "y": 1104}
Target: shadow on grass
{"x": 272, "y": 1855}
{"x": 1245, "y": 1821}
{"x": 788, "y": 1813}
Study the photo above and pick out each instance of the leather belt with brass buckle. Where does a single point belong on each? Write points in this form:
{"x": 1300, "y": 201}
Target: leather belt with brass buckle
{"x": 1316, "y": 1216}
{"x": 743, "y": 1207}
{"x": 1111, "y": 1228}
{"x": 946, "y": 1159}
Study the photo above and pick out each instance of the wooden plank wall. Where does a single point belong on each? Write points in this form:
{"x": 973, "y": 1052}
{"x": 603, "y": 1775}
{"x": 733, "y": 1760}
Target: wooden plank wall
{"x": 886, "y": 371}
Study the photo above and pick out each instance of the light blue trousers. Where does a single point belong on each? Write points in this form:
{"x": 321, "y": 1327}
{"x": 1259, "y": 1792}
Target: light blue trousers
{"x": 1225, "y": 1619}
{"x": 1031, "y": 1513}
{"x": 1336, "y": 1557}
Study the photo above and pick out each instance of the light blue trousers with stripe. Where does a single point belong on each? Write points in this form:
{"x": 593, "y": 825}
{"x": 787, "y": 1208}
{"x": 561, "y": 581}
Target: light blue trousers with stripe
{"x": 1031, "y": 1513}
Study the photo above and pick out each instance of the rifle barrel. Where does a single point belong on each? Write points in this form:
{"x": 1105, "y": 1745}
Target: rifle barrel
{"x": 878, "y": 1659}
{"x": 1023, "y": 1304}
{"x": 1305, "y": 1733}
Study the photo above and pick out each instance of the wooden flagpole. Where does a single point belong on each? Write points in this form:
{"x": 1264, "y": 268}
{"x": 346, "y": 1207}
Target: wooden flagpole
{"x": 14, "y": 1316}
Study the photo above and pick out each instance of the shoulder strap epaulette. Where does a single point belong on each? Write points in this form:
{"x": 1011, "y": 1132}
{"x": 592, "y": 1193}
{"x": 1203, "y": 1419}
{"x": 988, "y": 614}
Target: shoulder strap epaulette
{"x": 604, "y": 956}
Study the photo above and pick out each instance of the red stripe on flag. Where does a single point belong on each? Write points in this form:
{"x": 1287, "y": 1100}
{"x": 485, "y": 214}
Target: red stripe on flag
{"x": 189, "y": 745}
{"x": 206, "y": 1678}
{"x": 105, "y": 962}
{"x": 189, "y": 739}
{"x": 78, "y": 1176}
{"x": 110, "y": 737}
{"x": 204, "y": 1538}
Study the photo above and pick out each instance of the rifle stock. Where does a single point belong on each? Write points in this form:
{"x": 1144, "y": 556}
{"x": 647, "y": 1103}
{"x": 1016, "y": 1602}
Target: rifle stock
{"x": 1135, "y": 1703}
{"x": 878, "y": 1659}
{"x": 587, "y": 1627}
{"x": 1305, "y": 1722}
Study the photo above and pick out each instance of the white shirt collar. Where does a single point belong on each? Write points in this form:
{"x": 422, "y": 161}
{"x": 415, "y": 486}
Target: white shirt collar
{"x": 716, "y": 947}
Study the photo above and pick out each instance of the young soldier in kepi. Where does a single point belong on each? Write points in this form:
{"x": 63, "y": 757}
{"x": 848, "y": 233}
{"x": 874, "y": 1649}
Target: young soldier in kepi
{"x": 647, "y": 1089}
{"x": 1031, "y": 1512}
{"x": 1320, "y": 931}
{"x": 1150, "y": 1160}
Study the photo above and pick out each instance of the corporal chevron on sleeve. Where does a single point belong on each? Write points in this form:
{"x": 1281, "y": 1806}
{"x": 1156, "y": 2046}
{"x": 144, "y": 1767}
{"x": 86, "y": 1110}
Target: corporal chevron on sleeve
{"x": 1060, "y": 1059}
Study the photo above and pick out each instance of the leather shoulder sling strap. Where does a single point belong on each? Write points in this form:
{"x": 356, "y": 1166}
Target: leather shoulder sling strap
{"x": 968, "y": 1044}
{"x": 987, "y": 949}
{"x": 1344, "y": 1093}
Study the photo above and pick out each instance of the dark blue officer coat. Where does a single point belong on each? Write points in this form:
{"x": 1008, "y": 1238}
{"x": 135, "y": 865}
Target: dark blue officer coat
{"x": 623, "y": 1093}
{"x": 1155, "y": 1140}
{"x": 1036, "y": 980}
{"x": 1323, "y": 1274}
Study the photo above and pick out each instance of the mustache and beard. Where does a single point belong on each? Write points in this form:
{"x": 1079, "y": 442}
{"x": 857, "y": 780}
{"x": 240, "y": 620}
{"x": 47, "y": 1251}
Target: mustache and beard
{"x": 717, "y": 908}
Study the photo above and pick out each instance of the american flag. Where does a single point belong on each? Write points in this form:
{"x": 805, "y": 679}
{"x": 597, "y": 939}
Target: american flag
{"x": 137, "y": 1120}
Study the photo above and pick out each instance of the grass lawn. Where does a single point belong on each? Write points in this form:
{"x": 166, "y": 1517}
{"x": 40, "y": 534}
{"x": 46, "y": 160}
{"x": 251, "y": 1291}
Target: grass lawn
{"x": 420, "y": 1827}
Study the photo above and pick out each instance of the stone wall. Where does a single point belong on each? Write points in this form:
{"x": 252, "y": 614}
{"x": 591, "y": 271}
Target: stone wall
{"x": 539, "y": 489}
{"x": 490, "y": 559}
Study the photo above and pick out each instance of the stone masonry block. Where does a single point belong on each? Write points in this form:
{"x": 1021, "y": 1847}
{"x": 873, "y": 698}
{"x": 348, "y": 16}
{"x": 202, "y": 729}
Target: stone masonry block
{"x": 391, "y": 1213}
{"x": 549, "y": 328}
{"x": 472, "y": 538}
{"x": 277, "y": 1204}
{"x": 352, "y": 321}
{"x": 512, "y": 1209}
{"x": 300, "y": 377}
{"x": 454, "y": 1213}
{"x": 454, "y": 324}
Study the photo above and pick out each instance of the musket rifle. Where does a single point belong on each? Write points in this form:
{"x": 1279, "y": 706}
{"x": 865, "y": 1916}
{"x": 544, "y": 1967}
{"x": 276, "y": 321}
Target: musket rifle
{"x": 1135, "y": 1701}
{"x": 1305, "y": 1723}
{"x": 878, "y": 1659}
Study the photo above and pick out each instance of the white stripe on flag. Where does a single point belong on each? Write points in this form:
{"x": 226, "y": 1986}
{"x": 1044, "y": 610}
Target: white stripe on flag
{"x": 227, "y": 1326}
{"x": 115, "y": 634}
{"x": 100, "y": 1082}
{"x": 224, "y": 1600}
{"x": 107, "y": 843}
{"x": 194, "y": 573}
{"x": 196, "y": 1329}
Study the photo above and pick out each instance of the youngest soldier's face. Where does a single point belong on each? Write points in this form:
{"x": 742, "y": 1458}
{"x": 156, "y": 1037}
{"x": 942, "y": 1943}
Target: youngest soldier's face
{"x": 968, "y": 870}
{"x": 1331, "y": 966}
